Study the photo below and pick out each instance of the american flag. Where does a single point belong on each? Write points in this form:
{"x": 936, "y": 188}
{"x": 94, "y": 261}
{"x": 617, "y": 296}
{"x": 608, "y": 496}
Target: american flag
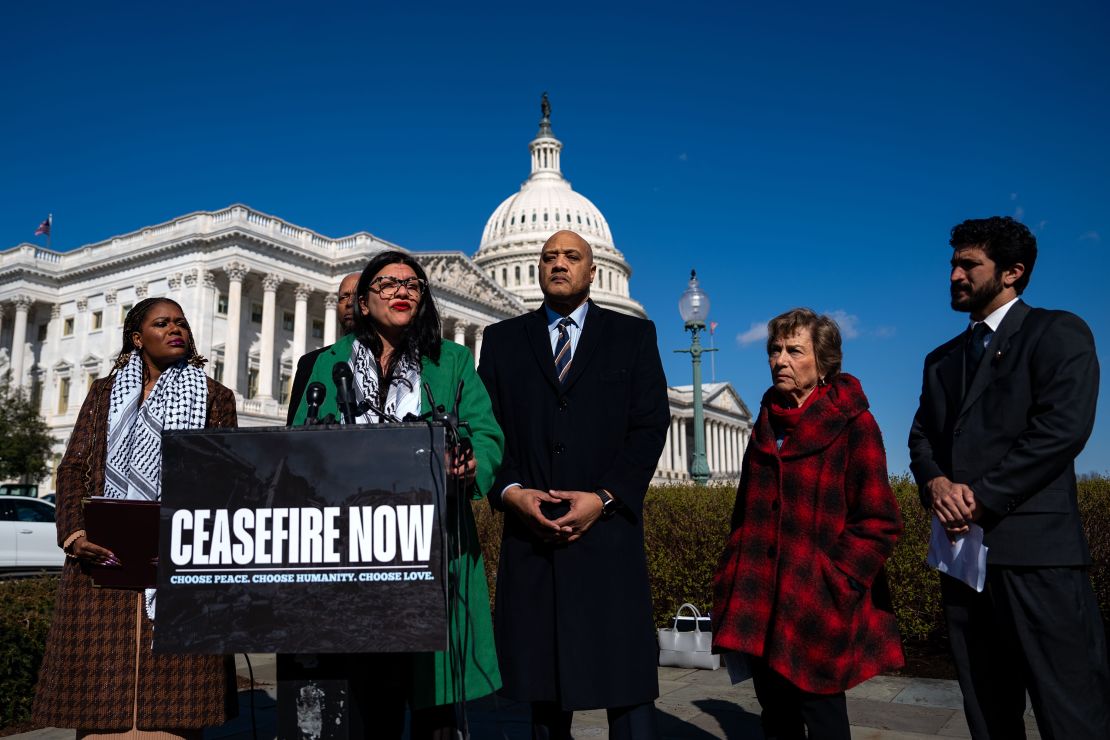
{"x": 44, "y": 227}
{"x": 712, "y": 326}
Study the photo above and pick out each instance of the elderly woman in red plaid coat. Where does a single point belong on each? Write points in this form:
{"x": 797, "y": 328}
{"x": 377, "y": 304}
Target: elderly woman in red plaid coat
{"x": 800, "y": 591}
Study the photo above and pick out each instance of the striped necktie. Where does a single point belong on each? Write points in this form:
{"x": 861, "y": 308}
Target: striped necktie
{"x": 562, "y": 349}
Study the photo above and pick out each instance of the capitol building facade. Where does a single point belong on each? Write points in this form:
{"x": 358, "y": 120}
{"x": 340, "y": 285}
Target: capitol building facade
{"x": 259, "y": 292}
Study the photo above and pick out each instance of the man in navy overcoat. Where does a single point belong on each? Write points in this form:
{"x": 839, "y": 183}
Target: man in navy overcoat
{"x": 580, "y": 394}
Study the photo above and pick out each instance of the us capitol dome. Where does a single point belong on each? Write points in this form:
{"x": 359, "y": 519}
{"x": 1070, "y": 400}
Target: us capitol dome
{"x": 515, "y": 233}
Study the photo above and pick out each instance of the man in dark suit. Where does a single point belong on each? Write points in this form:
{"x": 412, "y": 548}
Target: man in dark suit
{"x": 345, "y": 313}
{"x": 580, "y": 394}
{"x": 1005, "y": 408}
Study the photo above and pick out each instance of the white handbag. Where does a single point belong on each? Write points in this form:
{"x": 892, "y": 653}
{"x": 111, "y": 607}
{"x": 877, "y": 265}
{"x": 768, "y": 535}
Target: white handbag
{"x": 688, "y": 642}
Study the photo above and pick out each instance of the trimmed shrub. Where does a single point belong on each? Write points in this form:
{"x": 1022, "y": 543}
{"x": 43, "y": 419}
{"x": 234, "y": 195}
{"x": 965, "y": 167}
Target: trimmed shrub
{"x": 26, "y": 606}
{"x": 685, "y": 529}
{"x": 1094, "y": 508}
{"x": 914, "y": 586}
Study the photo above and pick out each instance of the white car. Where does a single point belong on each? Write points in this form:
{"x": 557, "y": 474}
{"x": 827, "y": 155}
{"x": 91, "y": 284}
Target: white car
{"x": 28, "y": 537}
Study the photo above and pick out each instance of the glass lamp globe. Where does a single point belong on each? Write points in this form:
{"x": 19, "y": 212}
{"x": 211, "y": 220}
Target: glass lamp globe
{"x": 693, "y": 306}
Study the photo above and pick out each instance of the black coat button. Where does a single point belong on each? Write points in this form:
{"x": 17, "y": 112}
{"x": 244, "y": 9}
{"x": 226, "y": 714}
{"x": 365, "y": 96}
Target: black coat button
{"x": 958, "y": 432}
{"x": 559, "y": 448}
{"x": 771, "y": 551}
{"x": 775, "y": 505}
{"x": 563, "y": 404}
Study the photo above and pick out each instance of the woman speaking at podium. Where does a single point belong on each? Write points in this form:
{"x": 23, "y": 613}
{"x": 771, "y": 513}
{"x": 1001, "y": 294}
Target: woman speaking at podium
{"x": 396, "y": 348}
{"x": 99, "y": 674}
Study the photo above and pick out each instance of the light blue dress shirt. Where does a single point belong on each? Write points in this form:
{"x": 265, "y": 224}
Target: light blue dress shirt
{"x": 578, "y": 315}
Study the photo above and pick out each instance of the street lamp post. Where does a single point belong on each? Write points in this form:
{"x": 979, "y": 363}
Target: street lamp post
{"x": 693, "y": 306}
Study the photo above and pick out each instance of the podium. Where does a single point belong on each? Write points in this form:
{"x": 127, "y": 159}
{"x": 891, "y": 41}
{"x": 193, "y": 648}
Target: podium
{"x": 307, "y": 540}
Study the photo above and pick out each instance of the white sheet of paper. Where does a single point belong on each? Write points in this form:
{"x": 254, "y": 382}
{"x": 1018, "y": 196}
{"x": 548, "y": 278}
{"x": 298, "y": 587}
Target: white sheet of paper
{"x": 965, "y": 559}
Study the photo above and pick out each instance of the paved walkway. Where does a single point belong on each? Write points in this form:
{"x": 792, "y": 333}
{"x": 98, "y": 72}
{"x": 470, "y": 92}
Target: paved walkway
{"x": 693, "y": 705}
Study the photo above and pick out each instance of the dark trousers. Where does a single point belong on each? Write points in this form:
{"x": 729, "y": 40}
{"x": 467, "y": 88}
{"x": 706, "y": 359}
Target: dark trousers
{"x": 788, "y": 712}
{"x": 637, "y": 722}
{"x": 1031, "y": 629}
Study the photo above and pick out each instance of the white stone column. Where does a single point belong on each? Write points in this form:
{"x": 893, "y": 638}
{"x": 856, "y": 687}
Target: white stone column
{"x": 478, "y": 344}
{"x": 683, "y": 465}
{"x": 730, "y": 447}
{"x": 737, "y": 446}
{"x": 672, "y": 436}
{"x": 665, "y": 458}
{"x": 111, "y": 326}
{"x": 82, "y": 323}
{"x": 201, "y": 284}
{"x": 206, "y": 309}
{"x": 722, "y": 447}
{"x": 50, "y": 358}
{"x": 190, "y": 298}
{"x": 331, "y": 301}
{"x": 736, "y": 432}
{"x": 19, "y": 338}
{"x": 173, "y": 286}
{"x": 711, "y": 447}
{"x": 266, "y": 362}
{"x": 300, "y": 320}
{"x": 235, "y": 273}
{"x": 460, "y": 333}
{"x": 726, "y": 449}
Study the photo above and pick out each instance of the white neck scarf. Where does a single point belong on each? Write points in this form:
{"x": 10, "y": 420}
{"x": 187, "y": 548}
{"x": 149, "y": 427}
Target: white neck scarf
{"x": 403, "y": 396}
{"x": 178, "y": 400}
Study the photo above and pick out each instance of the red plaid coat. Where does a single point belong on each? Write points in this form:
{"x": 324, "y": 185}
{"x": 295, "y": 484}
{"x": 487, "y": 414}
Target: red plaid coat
{"x": 801, "y": 582}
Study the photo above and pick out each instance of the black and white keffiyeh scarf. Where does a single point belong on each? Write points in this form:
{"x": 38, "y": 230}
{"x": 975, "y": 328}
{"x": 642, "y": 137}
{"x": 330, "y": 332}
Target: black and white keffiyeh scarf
{"x": 179, "y": 400}
{"x": 402, "y": 397}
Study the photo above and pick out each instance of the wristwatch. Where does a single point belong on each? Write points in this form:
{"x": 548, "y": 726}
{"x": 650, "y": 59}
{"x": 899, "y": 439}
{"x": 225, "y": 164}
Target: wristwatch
{"x": 608, "y": 502}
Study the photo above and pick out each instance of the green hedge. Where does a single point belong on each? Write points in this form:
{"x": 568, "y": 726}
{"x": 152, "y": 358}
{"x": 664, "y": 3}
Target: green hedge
{"x": 685, "y": 529}
{"x": 26, "y": 606}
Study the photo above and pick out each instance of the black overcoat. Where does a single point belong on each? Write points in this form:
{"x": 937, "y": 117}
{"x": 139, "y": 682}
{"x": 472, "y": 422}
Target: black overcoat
{"x": 573, "y": 622}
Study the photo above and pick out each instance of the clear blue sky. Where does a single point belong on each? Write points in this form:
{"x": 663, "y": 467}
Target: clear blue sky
{"x": 805, "y": 155}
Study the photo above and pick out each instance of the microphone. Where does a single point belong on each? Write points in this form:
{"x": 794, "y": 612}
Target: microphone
{"x": 342, "y": 376}
{"x": 315, "y": 393}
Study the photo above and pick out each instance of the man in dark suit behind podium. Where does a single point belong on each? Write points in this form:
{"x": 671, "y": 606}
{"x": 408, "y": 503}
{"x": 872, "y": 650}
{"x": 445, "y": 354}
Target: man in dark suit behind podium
{"x": 580, "y": 394}
{"x": 1005, "y": 408}
{"x": 345, "y": 313}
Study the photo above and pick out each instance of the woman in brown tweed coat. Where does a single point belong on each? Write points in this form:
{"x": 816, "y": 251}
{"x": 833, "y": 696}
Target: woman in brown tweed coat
{"x": 99, "y": 674}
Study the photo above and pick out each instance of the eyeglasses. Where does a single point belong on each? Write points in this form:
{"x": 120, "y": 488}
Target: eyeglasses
{"x": 387, "y": 287}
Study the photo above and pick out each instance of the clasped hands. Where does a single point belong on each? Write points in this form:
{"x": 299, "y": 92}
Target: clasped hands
{"x": 585, "y": 509}
{"x": 954, "y": 505}
{"x": 463, "y": 465}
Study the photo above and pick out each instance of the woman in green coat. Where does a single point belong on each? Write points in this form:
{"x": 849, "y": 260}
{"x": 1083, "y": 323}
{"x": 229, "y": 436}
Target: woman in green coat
{"x": 397, "y": 348}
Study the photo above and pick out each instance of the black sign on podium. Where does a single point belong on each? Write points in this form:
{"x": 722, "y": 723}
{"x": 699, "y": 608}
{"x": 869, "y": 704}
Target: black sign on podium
{"x": 308, "y": 540}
